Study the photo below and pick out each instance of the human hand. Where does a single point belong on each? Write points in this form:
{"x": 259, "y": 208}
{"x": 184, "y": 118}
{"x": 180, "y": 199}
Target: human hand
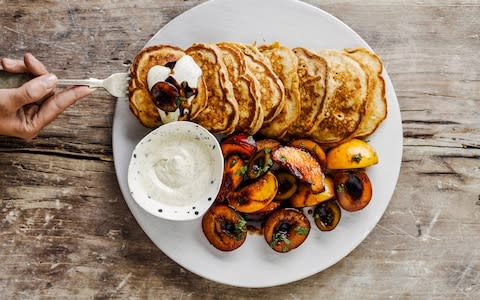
{"x": 26, "y": 110}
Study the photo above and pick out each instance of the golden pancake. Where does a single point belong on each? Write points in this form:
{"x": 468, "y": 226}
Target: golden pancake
{"x": 272, "y": 90}
{"x": 246, "y": 89}
{"x": 344, "y": 103}
{"x": 284, "y": 64}
{"x": 312, "y": 73}
{"x": 140, "y": 99}
{"x": 376, "y": 106}
{"x": 221, "y": 114}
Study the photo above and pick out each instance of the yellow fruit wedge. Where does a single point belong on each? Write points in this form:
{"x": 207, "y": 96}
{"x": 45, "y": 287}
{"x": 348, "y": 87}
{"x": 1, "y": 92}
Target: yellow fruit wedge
{"x": 353, "y": 154}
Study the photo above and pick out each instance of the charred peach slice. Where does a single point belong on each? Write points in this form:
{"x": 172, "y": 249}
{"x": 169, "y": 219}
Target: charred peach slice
{"x": 286, "y": 229}
{"x": 259, "y": 164}
{"x": 224, "y": 228}
{"x": 313, "y": 148}
{"x": 302, "y": 165}
{"x": 353, "y": 190}
{"x": 287, "y": 186}
{"x": 305, "y": 197}
{"x": 327, "y": 215}
{"x": 267, "y": 144}
{"x": 353, "y": 154}
{"x": 241, "y": 144}
{"x": 256, "y": 195}
{"x": 233, "y": 173}
{"x": 269, "y": 208}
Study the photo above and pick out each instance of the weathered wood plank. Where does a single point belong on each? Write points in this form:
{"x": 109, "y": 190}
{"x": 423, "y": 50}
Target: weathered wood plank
{"x": 65, "y": 229}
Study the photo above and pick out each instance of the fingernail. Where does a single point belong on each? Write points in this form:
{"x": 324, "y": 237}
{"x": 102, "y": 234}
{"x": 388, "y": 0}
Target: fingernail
{"x": 7, "y": 62}
{"x": 50, "y": 81}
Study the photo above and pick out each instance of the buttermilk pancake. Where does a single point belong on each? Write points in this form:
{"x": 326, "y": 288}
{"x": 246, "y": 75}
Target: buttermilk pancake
{"x": 272, "y": 90}
{"x": 344, "y": 103}
{"x": 140, "y": 99}
{"x": 284, "y": 63}
{"x": 329, "y": 96}
{"x": 246, "y": 89}
{"x": 221, "y": 114}
{"x": 312, "y": 72}
{"x": 376, "y": 106}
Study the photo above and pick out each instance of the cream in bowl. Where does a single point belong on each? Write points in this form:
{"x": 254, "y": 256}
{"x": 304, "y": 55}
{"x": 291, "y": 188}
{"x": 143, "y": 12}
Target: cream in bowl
{"x": 175, "y": 171}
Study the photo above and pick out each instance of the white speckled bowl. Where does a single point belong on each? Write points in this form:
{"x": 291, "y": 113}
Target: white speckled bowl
{"x": 158, "y": 204}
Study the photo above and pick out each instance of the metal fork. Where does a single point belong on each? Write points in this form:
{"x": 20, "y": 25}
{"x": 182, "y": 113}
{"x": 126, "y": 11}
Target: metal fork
{"x": 116, "y": 84}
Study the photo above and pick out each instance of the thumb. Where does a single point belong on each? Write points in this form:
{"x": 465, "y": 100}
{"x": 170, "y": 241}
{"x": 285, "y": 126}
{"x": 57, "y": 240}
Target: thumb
{"x": 35, "y": 89}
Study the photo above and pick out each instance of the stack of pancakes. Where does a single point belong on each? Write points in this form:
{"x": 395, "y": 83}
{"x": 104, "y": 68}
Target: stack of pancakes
{"x": 272, "y": 90}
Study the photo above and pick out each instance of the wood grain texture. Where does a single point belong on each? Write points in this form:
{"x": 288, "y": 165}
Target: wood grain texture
{"x": 65, "y": 229}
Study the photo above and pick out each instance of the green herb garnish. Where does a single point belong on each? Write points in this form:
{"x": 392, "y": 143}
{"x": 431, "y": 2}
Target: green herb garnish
{"x": 239, "y": 228}
{"x": 180, "y": 100}
{"x": 241, "y": 200}
{"x": 280, "y": 236}
{"x": 301, "y": 230}
{"x": 266, "y": 150}
{"x": 241, "y": 171}
{"x": 340, "y": 188}
{"x": 357, "y": 158}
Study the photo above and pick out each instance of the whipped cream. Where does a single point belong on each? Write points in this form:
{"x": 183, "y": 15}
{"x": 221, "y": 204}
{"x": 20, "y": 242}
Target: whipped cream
{"x": 176, "y": 170}
{"x": 185, "y": 70}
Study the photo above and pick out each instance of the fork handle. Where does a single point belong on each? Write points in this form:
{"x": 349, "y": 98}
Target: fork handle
{"x": 92, "y": 82}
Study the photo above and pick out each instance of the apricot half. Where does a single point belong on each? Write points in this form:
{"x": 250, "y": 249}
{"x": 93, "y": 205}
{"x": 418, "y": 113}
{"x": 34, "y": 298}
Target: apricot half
{"x": 225, "y": 229}
{"x": 305, "y": 197}
{"x": 353, "y": 154}
{"x": 254, "y": 196}
{"x": 241, "y": 144}
{"x": 353, "y": 190}
{"x": 313, "y": 148}
{"x": 286, "y": 229}
{"x": 302, "y": 165}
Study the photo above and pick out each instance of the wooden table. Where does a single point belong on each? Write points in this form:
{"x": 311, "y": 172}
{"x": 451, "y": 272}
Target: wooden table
{"x": 65, "y": 229}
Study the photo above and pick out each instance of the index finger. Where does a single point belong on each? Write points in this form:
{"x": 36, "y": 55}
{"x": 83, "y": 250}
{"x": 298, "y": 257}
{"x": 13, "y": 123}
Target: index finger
{"x": 14, "y": 65}
{"x": 29, "y": 65}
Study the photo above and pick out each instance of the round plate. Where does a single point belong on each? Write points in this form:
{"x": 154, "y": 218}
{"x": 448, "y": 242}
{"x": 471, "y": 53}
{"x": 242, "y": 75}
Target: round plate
{"x": 254, "y": 264}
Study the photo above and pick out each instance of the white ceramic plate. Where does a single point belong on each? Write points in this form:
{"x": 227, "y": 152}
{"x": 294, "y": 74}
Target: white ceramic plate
{"x": 254, "y": 264}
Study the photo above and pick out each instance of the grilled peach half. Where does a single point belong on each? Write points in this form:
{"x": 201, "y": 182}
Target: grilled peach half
{"x": 259, "y": 164}
{"x": 241, "y": 144}
{"x": 224, "y": 228}
{"x": 354, "y": 154}
{"x": 327, "y": 215}
{"x": 233, "y": 173}
{"x": 313, "y": 148}
{"x": 305, "y": 197}
{"x": 302, "y": 165}
{"x": 353, "y": 190}
{"x": 286, "y": 229}
{"x": 256, "y": 195}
